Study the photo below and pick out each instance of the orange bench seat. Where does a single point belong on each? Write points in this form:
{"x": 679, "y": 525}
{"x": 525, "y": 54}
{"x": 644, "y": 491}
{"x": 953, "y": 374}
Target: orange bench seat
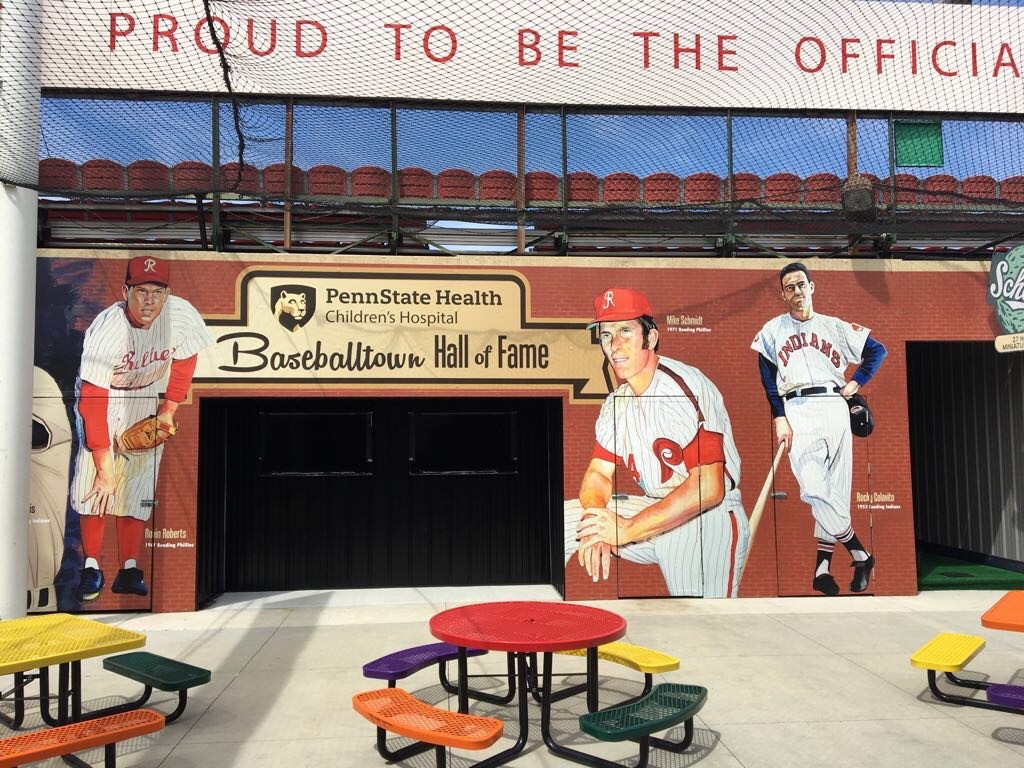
{"x": 75, "y": 737}
{"x": 398, "y": 711}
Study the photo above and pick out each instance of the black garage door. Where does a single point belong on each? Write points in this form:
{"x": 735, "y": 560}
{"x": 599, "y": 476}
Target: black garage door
{"x": 325, "y": 493}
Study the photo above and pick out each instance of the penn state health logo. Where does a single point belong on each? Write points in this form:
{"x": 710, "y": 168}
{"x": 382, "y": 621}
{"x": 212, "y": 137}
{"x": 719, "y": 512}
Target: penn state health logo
{"x": 292, "y": 305}
{"x": 1006, "y": 289}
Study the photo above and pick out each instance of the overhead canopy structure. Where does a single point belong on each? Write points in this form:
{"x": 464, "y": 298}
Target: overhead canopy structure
{"x": 719, "y": 125}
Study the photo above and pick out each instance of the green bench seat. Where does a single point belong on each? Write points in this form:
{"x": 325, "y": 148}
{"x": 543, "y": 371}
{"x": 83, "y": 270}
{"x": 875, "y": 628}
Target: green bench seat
{"x": 667, "y": 705}
{"x": 158, "y": 672}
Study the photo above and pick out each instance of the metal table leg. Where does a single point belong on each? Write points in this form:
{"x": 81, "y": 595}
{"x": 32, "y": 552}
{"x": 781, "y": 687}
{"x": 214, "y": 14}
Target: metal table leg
{"x": 522, "y": 684}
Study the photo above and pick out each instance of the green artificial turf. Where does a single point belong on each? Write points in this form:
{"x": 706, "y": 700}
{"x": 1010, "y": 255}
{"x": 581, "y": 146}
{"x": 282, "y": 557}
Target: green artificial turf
{"x": 941, "y": 572}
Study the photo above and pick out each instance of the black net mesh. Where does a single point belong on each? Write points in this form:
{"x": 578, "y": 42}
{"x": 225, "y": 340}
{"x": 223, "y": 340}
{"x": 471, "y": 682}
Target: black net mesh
{"x": 239, "y": 111}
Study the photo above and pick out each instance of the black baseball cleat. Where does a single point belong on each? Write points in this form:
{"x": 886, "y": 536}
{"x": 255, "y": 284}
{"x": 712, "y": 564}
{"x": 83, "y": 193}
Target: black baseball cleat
{"x": 129, "y": 582}
{"x": 861, "y": 573}
{"x": 826, "y": 584}
{"x": 90, "y": 583}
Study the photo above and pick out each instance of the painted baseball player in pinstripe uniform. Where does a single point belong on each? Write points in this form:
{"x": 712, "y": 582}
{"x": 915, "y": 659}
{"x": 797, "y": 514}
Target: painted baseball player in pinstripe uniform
{"x": 129, "y": 350}
{"x": 667, "y": 425}
{"x": 803, "y": 357}
{"x": 48, "y": 489}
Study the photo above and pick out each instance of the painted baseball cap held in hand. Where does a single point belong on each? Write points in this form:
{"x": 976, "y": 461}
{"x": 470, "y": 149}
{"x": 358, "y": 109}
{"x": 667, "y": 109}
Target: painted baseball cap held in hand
{"x": 146, "y": 269}
{"x": 615, "y": 304}
{"x": 862, "y": 421}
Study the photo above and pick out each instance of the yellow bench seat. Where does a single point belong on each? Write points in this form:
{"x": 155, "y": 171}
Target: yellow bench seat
{"x": 635, "y": 657}
{"x": 947, "y": 652}
{"x": 645, "y": 660}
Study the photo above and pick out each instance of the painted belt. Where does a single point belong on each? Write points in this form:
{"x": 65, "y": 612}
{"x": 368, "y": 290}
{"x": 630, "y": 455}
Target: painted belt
{"x": 809, "y": 391}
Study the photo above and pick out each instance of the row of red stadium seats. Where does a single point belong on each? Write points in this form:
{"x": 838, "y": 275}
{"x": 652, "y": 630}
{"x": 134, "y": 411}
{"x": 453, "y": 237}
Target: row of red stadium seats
{"x": 455, "y": 184}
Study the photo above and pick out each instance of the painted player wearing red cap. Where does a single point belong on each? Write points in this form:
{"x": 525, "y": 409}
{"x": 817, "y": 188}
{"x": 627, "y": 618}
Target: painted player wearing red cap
{"x": 803, "y": 357}
{"x": 667, "y": 425}
{"x": 129, "y": 350}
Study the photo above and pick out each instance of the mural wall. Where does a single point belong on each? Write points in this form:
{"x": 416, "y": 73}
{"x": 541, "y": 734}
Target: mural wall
{"x": 706, "y": 449}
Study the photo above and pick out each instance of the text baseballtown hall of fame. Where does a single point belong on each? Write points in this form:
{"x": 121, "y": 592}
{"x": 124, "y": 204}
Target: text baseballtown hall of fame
{"x": 359, "y": 326}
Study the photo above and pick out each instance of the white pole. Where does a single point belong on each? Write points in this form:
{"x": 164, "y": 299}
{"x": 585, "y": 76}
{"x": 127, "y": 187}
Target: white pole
{"x": 20, "y": 35}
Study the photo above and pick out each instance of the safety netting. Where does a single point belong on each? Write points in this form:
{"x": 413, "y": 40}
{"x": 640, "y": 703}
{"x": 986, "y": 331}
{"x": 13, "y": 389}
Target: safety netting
{"x": 601, "y": 115}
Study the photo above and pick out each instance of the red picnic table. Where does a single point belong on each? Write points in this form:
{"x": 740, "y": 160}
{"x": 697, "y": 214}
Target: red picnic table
{"x": 524, "y": 628}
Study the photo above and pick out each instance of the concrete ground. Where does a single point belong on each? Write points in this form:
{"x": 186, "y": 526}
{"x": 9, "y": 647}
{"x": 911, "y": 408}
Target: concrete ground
{"x": 792, "y": 681}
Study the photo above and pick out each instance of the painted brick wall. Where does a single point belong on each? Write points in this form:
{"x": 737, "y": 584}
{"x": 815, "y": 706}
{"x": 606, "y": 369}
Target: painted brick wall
{"x": 899, "y": 301}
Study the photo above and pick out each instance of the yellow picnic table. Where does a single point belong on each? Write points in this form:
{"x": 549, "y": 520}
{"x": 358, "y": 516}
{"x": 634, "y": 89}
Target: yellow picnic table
{"x": 31, "y": 645}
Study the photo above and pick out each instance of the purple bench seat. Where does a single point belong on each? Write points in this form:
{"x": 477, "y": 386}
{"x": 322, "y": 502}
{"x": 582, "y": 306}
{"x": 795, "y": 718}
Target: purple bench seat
{"x": 1006, "y": 695}
{"x": 401, "y": 664}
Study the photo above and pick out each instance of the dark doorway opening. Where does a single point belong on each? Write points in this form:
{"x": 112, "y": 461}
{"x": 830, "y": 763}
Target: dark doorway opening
{"x": 967, "y": 460}
{"x": 340, "y": 493}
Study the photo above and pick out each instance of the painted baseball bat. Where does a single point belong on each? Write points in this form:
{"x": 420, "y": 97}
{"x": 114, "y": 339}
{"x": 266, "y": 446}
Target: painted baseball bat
{"x": 756, "y": 512}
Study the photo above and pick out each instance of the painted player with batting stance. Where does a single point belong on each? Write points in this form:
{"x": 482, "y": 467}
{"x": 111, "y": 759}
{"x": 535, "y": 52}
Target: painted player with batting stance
{"x": 803, "y": 357}
{"x": 667, "y": 425}
{"x": 129, "y": 349}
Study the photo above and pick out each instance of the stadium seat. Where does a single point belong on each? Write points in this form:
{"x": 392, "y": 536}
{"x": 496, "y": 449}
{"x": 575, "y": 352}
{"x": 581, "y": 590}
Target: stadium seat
{"x": 782, "y": 187}
{"x": 497, "y": 185}
{"x": 415, "y": 182}
{"x": 662, "y": 187}
{"x": 584, "y": 187}
{"x": 371, "y": 181}
{"x": 1012, "y": 189}
{"x": 746, "y": 186}
{"x": 622, "y": 187}
{"x": 940, "y": 189}
{"x": 978, "y": 189}
{"x": 702, "y": 188}
{"x": 326, "y": 180}
{"x": 542, "y": 186}
{"x": 191, "y": 176}
{"x": 875, "y": 181}
{"x": 148, "y": 176}
{"x": 58, "y": 174}
{"x": 102, "y": 176}
{"x": 822, "y": 188}
{"x": 247, "y": 183}
{"x": 908, "y": 189}
{"x": 274, "y": 177}
{"x": 456, "y": 184}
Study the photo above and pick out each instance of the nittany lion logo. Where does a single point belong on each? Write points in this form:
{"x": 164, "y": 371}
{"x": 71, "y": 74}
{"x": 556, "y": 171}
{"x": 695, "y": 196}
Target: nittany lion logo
{"x": 1006, "y": 289}
{"x": 292, "y": 305}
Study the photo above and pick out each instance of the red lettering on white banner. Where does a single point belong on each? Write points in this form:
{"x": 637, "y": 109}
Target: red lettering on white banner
{"x": 398, "y": 37}
{"x": 858, "y": 54}
{"x": 453, "y": 44}
{"x": 251, "y": 38}
{"x": 168, "y": 32}
{"x": 302, "y": 53}
{"x": 533, "y": 46}
{"x": 202, "y": 26}
{"x": 117, "y": 31}
{"x": 564, "y": 48}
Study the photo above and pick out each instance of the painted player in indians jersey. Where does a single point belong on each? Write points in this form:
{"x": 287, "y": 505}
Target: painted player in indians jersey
{"x": 803, "y": 358}
{"x": 130, "y": 349}
{"x": 667, "y": 425}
